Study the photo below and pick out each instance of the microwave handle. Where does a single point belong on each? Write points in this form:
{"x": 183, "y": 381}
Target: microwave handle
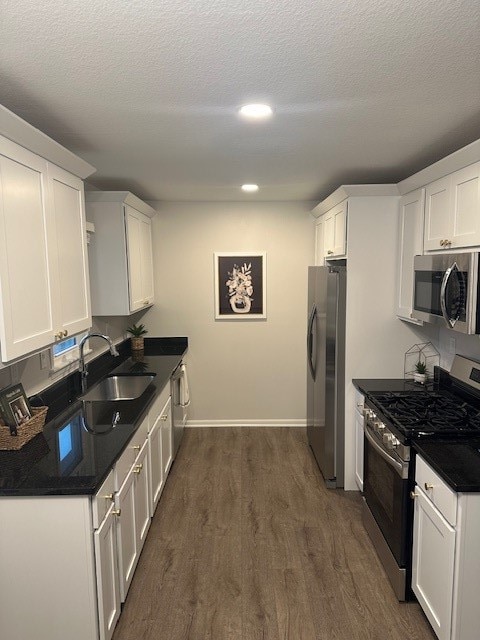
{"x": 443, "y": 293}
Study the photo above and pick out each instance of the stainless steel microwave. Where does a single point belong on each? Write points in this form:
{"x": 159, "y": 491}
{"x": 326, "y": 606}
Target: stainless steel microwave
{"x": 445, "y": 290}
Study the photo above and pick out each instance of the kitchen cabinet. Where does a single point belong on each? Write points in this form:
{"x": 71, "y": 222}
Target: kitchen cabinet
{"x": 410, "y": 244}
{"x": 319, "y": 243}
{"x": 445, "y": 562}
{"x": 120, "y": 253}
{"x": 359, "y": 418}
{"x": 452, "y": 210}
{"x": 335, "y": 231}
{"x": 43, "y": 253}
{"x": 132, "y": 504}
{"x": 106, "y": 564}
{"x": 160, "y": 445}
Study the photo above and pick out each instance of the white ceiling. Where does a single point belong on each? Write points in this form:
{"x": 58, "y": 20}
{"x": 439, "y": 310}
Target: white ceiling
{"x": 147, "y": 90}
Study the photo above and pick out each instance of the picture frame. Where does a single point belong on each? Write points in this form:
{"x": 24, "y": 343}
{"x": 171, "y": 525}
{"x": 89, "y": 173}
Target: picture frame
{"x": 240, "y": 285}
{"x": 14, "y": 407}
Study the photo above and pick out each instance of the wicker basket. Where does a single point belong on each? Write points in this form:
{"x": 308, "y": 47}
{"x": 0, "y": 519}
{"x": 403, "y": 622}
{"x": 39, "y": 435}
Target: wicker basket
{"x": 25, "y": 432}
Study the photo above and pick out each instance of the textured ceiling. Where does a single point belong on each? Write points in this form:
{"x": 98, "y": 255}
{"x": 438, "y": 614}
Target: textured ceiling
{"x": 147, "y": 90}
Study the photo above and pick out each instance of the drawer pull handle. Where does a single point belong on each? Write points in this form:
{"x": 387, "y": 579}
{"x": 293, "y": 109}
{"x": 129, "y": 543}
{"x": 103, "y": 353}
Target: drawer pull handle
{"x": 109, "y": 497}
{"x": 137, "y": 447}
{"x": 117, "y": 512}
{"x": 329, "y": 252}
{"x": 138, "y": 468}
{"x": 413, "y": 495}
{"x": 428, "y": 486}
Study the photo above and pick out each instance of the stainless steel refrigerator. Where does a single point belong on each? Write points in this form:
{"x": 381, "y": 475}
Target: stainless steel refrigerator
{"x": 326, "y": 370}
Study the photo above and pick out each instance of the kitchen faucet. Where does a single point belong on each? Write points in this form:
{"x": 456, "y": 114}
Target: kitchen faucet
{"x": 82, "y": 365}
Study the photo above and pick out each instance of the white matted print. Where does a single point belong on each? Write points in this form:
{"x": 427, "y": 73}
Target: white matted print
{"x": 240, "y": 286}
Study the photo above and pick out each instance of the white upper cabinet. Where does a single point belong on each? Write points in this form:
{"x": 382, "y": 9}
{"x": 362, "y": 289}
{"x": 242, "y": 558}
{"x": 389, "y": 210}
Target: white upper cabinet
{"x": 410, "y": 241}
{"x": 72, "y": 261}
{"x": 43, "y": 266}
{"x": 319, "y": 239}
{"x": 120, "y": 253}
{"x": 452, "y": 210}
{"x": 335, "y": 231}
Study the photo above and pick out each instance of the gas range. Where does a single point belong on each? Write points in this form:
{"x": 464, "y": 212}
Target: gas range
{"x": 450, "y": 407}
{"x": 393, "y": 420}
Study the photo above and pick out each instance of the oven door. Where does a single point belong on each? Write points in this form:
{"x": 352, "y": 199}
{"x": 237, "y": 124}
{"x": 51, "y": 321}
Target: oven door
{"x": 386, "y": 492}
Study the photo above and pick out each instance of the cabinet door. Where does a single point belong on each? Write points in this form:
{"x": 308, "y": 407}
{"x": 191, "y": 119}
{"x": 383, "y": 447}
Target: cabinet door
{"x": 340, "y": 217}
{"x": 126, "y": 534}
{"x": 156, "y": 466}
{"x": 465, "y": 206}
{"x": 433, "y": 564}
{"x": 166, "y": 429}
{"x": 26, "y": 257}
{"x": 410, "y": 245}
{"x": 147, "y": 260}
{"x": 335, "y": 233}
{"x": 73, "y": 295}
{"x": 108, "y": 594}
{"x": 359, "y": 449}
{"x": 319, "y": 243}
{"x": 437, "y": 214}
{"x": 142, "y": 501}
{"x": 134, "y": 254}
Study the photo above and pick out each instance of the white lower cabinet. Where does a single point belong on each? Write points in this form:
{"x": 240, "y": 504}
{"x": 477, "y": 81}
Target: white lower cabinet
{"x": 359, "y": 400}
{"x": 433, "y": 564}
{"x": 91, "y": 543}
{"x": 160, "y": 445}
{"x": 446, "y": 562}
{"x": 106, "y": 566}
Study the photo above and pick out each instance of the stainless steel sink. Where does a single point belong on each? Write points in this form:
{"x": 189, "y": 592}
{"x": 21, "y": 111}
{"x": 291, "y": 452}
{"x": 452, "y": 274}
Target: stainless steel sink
{"x": 118, "y": 387}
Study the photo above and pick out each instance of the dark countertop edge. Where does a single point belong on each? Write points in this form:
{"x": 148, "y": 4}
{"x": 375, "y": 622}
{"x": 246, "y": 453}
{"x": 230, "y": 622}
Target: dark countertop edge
{"x": 458, "y": 487}
{"x": 157, "y": 347}
{"x": 385, "y": 385}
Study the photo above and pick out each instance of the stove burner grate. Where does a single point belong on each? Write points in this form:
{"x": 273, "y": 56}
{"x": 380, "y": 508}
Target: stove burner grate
{"x": 425, "y": 413}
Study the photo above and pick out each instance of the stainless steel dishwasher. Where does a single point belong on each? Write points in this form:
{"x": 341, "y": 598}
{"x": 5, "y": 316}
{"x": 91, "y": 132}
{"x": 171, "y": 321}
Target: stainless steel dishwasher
{"x": 180, "y": 402}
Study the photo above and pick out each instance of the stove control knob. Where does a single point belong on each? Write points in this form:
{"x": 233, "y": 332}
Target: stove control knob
{"x": 378, "y": 426}
{"x": 387, "y": 439}
{"x": 395, "y": 442}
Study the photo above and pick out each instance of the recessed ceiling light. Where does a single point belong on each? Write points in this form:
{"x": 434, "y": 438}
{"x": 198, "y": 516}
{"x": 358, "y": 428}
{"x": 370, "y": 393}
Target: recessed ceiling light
{"x": 256, "y": 111}
{"x": 250, "y": 188}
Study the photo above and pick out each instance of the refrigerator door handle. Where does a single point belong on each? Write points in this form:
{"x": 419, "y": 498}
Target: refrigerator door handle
{"x": 311, "y": 365}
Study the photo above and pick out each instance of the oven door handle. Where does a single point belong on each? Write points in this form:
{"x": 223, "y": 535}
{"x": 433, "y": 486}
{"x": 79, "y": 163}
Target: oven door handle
{"x": 401, "y": 469}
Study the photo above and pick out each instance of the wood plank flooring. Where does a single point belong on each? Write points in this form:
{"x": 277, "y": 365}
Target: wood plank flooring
{"x": 248, "y": 544}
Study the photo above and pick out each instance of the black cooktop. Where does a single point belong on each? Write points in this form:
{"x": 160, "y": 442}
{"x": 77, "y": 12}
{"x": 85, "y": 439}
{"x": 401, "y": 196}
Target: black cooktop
{"x": 428, "y": 413}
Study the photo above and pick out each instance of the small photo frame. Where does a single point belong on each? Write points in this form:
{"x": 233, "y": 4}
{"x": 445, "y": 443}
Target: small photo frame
{"x": 240, "y": 286}
{"x": 14, "y": 407}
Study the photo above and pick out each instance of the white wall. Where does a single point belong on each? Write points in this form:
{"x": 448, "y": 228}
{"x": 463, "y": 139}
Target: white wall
{"x": 244, "y": 371}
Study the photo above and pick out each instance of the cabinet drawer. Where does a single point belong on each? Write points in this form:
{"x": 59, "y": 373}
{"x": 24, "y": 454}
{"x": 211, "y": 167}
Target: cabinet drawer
{"x": 126, "y": 460}
{"x": 103, "y": 500}
{"x": 158, "y": 405}
{"x": 436, "y": 489}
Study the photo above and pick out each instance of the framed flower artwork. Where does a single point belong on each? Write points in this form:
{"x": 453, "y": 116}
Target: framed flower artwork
{"x": 240, "y": 286}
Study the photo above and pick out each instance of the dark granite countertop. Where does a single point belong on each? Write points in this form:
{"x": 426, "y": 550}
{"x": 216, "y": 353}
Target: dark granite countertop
{"x": 384, "y": 385}
{"x": 456, "y": 460}
{"x": 78, "y": 446}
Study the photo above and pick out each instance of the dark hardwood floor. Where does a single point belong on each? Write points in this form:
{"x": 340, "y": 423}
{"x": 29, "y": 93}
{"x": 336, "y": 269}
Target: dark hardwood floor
{"x": 248, "y": 544}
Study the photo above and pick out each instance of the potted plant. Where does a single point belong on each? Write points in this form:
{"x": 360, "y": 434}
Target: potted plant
{"x": 137, "y": 332}
{"x": 420, "y": 373}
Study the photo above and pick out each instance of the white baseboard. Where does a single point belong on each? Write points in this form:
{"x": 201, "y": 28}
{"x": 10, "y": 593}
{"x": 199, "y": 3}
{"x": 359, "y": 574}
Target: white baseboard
{"x": 247, "y": 423}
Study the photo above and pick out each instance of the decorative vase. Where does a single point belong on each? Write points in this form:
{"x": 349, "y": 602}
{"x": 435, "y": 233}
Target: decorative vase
{"x": 421, "y": 378}
{"x": 137, "y": 343}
